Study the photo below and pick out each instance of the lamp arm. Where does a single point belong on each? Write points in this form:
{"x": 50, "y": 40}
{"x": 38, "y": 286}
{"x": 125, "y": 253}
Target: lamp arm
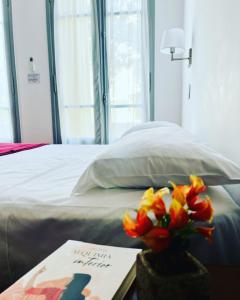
{"x": 189, "y": 58}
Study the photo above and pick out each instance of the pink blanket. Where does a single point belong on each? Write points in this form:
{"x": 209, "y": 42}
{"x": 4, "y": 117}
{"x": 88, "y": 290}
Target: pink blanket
{"x": 9, "y": 148}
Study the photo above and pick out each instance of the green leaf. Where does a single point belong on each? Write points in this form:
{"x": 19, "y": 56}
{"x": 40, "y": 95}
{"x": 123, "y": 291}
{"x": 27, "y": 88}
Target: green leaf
{"x": 166, "y": 220}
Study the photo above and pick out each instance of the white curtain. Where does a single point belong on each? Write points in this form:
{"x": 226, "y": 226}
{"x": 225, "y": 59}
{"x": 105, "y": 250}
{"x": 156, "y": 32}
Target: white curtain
{"x": 74, "y": 66}
{"x": 6, "y": 130}
{"x": 128, "y": 64}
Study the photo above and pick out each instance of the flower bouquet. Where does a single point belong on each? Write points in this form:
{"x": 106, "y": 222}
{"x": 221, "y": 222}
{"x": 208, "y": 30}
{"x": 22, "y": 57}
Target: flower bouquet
{"x": 168, "y": 269}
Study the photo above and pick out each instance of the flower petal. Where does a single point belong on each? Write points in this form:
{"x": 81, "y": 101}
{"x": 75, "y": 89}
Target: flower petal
{"x": 129, "y": 225}
{"x": 207, "y": 232}
{"x": 197, "y": 184}
{"x": 197, "y": 187}
{"x": 141, "y": 226}
{"x": 147, "y": 199}
{"x": 180, "y": 192}
{"x": 148, "y": 195}
{"x": 162, "y": 192}
{"x": 158, "y": 206}
{"x": 157, "y": 239}
{"x": 144, "y": 223}
{"x": 178, "y": 215}
{"x": 202, "y": 209}
{"x": 153, "y": 202}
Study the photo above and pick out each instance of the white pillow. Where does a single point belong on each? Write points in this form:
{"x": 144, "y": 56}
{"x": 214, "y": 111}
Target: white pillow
{"x": 149, "y": 125}
{"x": 152, "y": 157}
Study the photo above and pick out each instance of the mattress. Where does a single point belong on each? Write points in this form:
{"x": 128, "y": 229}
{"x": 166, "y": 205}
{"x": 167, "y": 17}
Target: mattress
{"x": 37, "y": 214}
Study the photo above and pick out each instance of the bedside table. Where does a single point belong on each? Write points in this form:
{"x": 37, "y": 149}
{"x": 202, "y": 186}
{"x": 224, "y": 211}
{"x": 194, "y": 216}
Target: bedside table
{"x": 224, "y": 279}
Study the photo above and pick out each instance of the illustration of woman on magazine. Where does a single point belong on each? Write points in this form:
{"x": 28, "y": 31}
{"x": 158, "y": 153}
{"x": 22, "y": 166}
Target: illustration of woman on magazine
{"x": 68, "y": 288}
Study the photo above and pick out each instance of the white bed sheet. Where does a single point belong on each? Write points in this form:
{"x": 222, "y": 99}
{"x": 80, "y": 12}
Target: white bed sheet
{"x": 45, "y": 174}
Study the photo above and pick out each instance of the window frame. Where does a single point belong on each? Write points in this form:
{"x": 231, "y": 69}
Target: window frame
{"x": 151, "y": 18}
{"x": 101, "y": 34}
{"x": 52, "y": 72}
{"x": 12, "y": 80}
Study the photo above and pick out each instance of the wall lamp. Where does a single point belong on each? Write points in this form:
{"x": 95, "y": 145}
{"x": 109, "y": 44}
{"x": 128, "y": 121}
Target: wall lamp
{"x": 173, "y": 42}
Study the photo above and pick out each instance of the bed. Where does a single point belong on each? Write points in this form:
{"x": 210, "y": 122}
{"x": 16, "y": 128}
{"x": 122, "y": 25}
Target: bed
{"x": 37, "y": 214}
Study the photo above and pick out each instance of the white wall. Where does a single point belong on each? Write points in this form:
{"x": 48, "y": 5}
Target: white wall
{"x": 30, "y": 39}
{"x": 168, "y": 75}
{"x": 213, "y": 110}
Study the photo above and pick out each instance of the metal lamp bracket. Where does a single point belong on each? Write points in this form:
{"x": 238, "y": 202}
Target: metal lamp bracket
{"x": 189, "y": 58}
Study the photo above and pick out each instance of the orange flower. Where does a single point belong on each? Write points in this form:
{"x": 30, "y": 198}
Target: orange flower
{"x": 201, "y": 209}
{"x": 158, "y": 239}
{"x": 186, "y": 207}
{"x": 178, "y": 215}
{"x": 206, "y": 232}
{"x": 197, "y": 184}
{"x": 197, "y": 187}
{"x": 185, "y": 193}
{"x": 154, "y": 202}
{"x": 137, "y": 228}
{"x": 180, "y": 192}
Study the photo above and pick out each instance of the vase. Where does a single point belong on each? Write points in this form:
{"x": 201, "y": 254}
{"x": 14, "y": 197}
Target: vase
{"x": 171, "y": 276}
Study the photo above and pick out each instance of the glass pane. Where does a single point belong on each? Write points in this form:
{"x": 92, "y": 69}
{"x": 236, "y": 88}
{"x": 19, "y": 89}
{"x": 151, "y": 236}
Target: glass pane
{"x": 124, "y": 59}
{"x": 121, "y": 119}
{"x": 79, "y": 132}
{"x": 6, "y": 133}
{"x": 125, "y": 54}
{"x": 73, "y": 50}
{"x": 126, "y": 6}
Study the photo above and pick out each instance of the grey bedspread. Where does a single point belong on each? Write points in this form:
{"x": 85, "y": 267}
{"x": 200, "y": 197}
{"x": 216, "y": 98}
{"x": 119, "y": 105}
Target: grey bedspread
{"x": 30, "y": 234}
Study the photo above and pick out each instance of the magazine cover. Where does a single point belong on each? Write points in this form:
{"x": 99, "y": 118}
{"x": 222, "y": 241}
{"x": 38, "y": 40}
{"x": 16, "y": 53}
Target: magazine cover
{"x": 76, "y": 271}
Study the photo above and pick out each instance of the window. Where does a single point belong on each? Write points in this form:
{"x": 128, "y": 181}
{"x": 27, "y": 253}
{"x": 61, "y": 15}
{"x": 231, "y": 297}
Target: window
{"x": 127, "y": 57}
{"x": 9, "y": 128}
{"x": 100, "y": 64}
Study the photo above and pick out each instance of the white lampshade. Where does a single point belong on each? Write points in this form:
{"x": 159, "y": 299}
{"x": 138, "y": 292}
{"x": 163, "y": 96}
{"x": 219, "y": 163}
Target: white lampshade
{"x": 173, "y": 38}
